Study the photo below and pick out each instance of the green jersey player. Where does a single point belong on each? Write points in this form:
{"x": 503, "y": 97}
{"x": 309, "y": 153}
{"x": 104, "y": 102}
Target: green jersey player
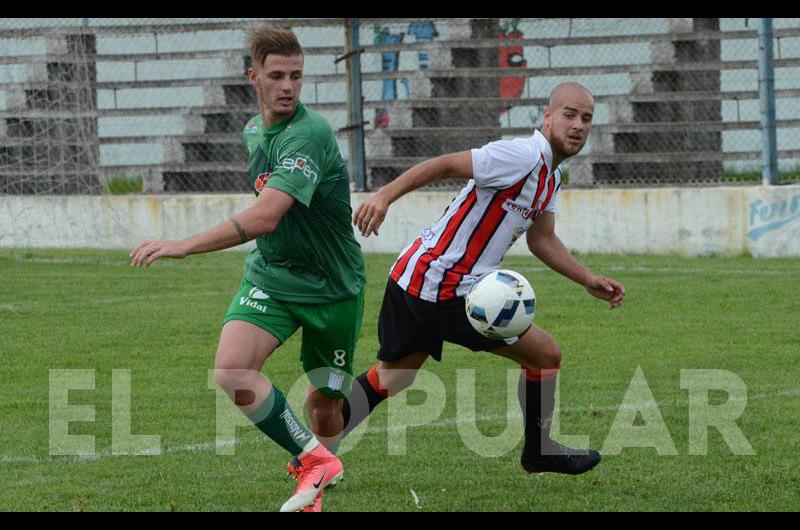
{"x": 306, "y": 271}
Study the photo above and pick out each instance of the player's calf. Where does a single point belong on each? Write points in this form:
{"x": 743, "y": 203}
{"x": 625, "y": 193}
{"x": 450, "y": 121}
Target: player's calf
{"x": 361, "y": 404}
{"x": 325, "y": 414}
{"x": 381, "y": 381}
{"x": 540, "y": 453}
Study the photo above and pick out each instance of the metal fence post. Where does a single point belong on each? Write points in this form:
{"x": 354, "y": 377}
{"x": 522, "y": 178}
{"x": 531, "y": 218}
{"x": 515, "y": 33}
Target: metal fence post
{"x": 355, "y": 103}
{"x": 766, "y": 91}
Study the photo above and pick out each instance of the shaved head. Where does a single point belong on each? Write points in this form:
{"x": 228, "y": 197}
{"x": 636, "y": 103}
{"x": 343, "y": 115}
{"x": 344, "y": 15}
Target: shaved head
{"x": 567, "y": 92}
{"x": 568, "y": 120}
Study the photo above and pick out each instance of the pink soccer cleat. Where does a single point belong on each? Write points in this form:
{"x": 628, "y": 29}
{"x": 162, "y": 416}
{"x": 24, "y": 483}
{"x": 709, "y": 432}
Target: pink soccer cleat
{"x": 317, "y": 470}
{"x": 317, "y": 506}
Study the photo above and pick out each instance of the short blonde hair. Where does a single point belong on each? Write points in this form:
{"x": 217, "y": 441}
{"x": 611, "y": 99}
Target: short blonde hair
{"x": 264, "y": 40}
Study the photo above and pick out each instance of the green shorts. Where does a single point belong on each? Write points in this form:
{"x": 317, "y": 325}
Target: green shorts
{"x": 330, "y": 333}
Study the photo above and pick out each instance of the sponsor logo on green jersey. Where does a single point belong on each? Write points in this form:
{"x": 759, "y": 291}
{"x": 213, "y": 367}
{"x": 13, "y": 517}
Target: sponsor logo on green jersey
{"x": 304, "y": 164}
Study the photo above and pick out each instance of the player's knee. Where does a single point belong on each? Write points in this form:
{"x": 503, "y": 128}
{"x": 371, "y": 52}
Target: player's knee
{"x": 232, "y": 379}
{"x": 237, "y": 387}
{"x": 226, "y": 380}
{"x": 552, "y": 357}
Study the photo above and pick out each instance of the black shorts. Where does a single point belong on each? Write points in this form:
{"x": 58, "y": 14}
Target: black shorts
{"x": 409, "y": 325}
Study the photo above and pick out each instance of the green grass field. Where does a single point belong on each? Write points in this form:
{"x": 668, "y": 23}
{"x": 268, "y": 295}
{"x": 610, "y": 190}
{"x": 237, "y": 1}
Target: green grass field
{"x": 90, "y": 310}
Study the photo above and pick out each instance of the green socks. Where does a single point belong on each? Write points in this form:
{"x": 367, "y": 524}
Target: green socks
{"x": 278, "y": 421}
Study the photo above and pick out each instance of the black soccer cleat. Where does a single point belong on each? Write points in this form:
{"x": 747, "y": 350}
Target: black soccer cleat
{"x": 559, "y": 458}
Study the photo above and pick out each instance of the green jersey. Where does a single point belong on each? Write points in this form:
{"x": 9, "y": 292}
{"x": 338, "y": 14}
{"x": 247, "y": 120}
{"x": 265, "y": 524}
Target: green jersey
{"x": 312, "y": 256}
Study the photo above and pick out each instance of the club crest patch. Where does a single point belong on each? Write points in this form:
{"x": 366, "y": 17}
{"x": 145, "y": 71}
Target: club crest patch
{"x": 261, "y": 181}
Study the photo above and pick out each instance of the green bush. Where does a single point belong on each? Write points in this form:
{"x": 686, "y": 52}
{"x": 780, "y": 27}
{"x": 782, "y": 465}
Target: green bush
{"x": 123, "y": 185}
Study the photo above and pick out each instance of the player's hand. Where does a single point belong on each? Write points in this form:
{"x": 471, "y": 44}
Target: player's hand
{"x": 606, "y": 289}
{"x": 147, "y": 252}
{"x": 370, "y": 214}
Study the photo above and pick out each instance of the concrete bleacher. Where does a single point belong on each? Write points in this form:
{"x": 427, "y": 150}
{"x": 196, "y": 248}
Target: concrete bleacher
{"x": 168, "y": 102}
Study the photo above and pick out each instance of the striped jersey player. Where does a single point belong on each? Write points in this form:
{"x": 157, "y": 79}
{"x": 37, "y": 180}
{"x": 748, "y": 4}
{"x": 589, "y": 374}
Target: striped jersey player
{"x": 513, "y": 190}
{"x": 513, "y": 183}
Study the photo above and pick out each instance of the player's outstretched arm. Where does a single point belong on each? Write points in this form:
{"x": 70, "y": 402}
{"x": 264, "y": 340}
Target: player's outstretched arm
{"x": 261, "y": 218}
{"x": 370, "y": 214}
{"x": 546, "y": 245}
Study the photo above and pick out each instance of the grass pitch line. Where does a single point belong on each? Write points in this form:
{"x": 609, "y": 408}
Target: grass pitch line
{"x": 669, "y": 270}
{"x": 122, "y": 262}
{"x": 18, "y": 306}
{"x": 125, "y": 262}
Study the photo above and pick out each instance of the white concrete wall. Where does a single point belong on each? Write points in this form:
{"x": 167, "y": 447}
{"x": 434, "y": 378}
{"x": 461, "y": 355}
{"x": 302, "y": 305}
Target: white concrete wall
{"x": 692, "y": 221}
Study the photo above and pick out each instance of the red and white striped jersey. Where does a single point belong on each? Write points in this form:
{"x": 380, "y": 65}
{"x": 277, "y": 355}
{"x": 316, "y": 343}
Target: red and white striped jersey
{"x": 513, "y": 183}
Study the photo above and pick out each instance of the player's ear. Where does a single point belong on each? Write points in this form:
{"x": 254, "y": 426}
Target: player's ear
{"x": 546, "y": 117}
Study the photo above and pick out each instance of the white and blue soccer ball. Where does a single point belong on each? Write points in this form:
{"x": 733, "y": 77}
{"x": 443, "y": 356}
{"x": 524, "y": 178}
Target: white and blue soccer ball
{"x": 501, "y": 305}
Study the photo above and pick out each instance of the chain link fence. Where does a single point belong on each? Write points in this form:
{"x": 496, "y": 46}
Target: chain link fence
{"x": 153, "y": 105}
{"x": 158, "y": 105}
{"x": 677, "y": 99}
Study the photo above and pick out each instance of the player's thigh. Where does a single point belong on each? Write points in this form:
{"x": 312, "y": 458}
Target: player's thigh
{"x": 535, "y": 348}
{"x": 254, "y": 326}
{"x": 449, "y": 320}
{"x": 330, "y": 335}
{"x": 243, "y": 345}
{"x": 404, "y": 331}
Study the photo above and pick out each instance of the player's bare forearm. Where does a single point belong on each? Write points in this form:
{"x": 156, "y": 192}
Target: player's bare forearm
{"x": 228, "y": 234}
{"x": 225, "y": 235}
{"x": 545, "y": 245}
{"x": 260, "y": 219}
{"x": 443, "y": 167}
{"x": 370, "y": 214}
{"x": 553, "y": 253}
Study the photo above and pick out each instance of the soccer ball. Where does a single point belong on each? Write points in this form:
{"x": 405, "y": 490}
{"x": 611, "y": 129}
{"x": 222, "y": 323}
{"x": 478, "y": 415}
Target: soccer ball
{"x": 501, "y": 305}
